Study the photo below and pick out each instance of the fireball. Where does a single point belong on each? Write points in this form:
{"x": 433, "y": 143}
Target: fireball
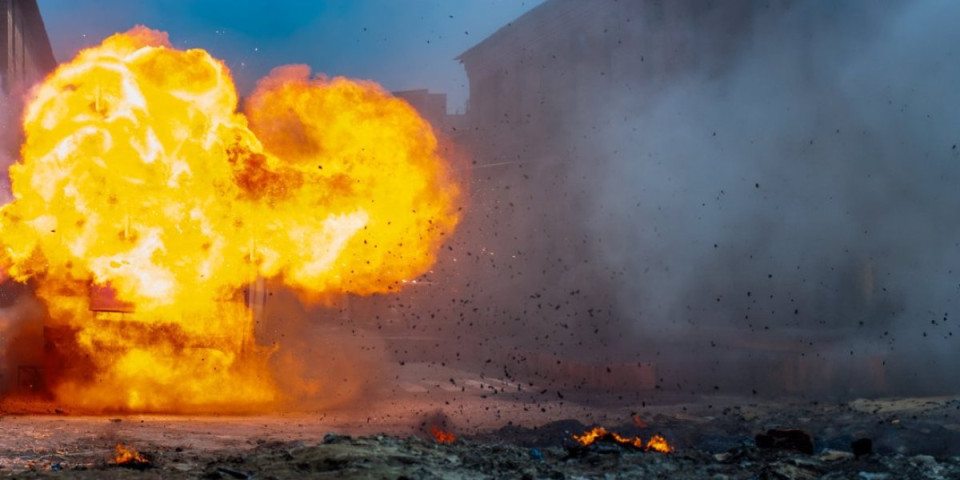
{"x": 140, "y": 174}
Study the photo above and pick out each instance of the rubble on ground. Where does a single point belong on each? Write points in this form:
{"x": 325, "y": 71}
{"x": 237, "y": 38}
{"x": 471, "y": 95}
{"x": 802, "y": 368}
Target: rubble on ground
{"x": 862, "y": 440}
{"x": 389, "y": 457}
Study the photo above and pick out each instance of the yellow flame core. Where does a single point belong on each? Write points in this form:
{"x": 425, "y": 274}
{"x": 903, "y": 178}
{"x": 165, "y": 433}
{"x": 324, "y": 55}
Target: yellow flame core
{"x": 138, "y": 172}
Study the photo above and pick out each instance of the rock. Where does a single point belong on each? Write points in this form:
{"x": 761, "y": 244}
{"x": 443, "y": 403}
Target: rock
{"x": 794, "y": 473}
{"x": 722, "y": 457}
{"x": 786, "y": 439}
{"x": 873, "y": 476}
{"x": 332, "y": 438}
{"x": 835, "y": 456}
{"x": 861, "y": 447}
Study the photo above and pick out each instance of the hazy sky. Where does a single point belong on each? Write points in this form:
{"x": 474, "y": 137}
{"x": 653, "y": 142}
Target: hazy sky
{"x": 403, "y": 44}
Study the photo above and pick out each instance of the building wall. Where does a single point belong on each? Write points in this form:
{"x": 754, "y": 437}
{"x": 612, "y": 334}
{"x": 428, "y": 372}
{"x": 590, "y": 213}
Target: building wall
{"x": 534, "y": 79}
{"x": 25, "y": 59}
{"x": 25, "y": 53}
{"x": 538, "y": 86}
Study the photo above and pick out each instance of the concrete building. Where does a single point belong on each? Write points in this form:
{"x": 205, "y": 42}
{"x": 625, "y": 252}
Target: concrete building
{"x": 541, "y": 89}
{"x": 25, "y": 54}
{"x": 433, "y": 108}
{"x": 534, "y": 79}
{"x": 25, "y": 58}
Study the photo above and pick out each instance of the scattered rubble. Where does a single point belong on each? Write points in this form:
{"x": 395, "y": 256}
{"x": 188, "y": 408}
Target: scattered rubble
{"x": 387, "y": 457}
{"x": 806, "y": 441}
{"x": 789, "y": 439}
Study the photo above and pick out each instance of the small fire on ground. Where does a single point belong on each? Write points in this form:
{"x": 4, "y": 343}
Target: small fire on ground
{"x": 130, "y": 457}
{"x": 442, "y": 436}
{"x": 599, "y": 434}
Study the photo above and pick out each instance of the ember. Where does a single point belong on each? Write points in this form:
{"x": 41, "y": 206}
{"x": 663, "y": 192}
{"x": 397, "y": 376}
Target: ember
{"x": 599, "y": 434}
{"x": 130, "y": 457}
{"x": 442, "y": 436}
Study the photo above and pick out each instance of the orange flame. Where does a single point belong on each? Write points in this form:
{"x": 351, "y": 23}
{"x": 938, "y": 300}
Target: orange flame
{"x": 138, "y": 174}
{"x": 441, "y": 436}
{"x": 590, "y": 436}
{"x": 656, "y": 443}
{"x": 659, "y": 444}
{"x": 129, "y": 456}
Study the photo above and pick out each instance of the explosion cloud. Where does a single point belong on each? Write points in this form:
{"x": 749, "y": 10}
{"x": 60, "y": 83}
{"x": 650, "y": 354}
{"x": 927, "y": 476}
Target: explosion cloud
{"x": 139, "y": 174}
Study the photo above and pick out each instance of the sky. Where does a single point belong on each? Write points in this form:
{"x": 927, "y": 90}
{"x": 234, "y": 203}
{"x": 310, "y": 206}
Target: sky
{"x": 402, "y": 44}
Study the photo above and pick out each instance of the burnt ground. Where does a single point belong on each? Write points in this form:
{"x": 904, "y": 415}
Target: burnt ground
{"x": 499, "y": 435}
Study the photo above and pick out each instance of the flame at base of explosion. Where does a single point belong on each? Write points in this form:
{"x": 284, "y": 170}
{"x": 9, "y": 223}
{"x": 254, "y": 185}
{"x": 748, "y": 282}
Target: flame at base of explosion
{"x": 138, "y": 173}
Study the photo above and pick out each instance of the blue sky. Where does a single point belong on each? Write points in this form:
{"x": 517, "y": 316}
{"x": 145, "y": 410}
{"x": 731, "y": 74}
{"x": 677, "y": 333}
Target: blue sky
{"x": 402, "y": 44}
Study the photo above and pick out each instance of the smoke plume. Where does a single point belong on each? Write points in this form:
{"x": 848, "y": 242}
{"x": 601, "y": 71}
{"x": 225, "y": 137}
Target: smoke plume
{"x": 798, "y": 196}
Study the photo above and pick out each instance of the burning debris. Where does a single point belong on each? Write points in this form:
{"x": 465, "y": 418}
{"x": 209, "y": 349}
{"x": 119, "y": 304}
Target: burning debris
{"x": 130, "y": 458}
{"x": 599, "y": 434}
{"x": 442, "y": 436}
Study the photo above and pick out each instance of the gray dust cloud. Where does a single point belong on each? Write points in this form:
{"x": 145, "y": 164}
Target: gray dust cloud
{"x": 713, "y": 197}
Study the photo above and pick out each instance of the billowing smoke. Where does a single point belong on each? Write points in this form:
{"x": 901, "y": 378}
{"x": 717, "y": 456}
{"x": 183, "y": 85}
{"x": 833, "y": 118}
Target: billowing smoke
{"x": 707, "y": 197}
{"x": 791, "y": 203}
